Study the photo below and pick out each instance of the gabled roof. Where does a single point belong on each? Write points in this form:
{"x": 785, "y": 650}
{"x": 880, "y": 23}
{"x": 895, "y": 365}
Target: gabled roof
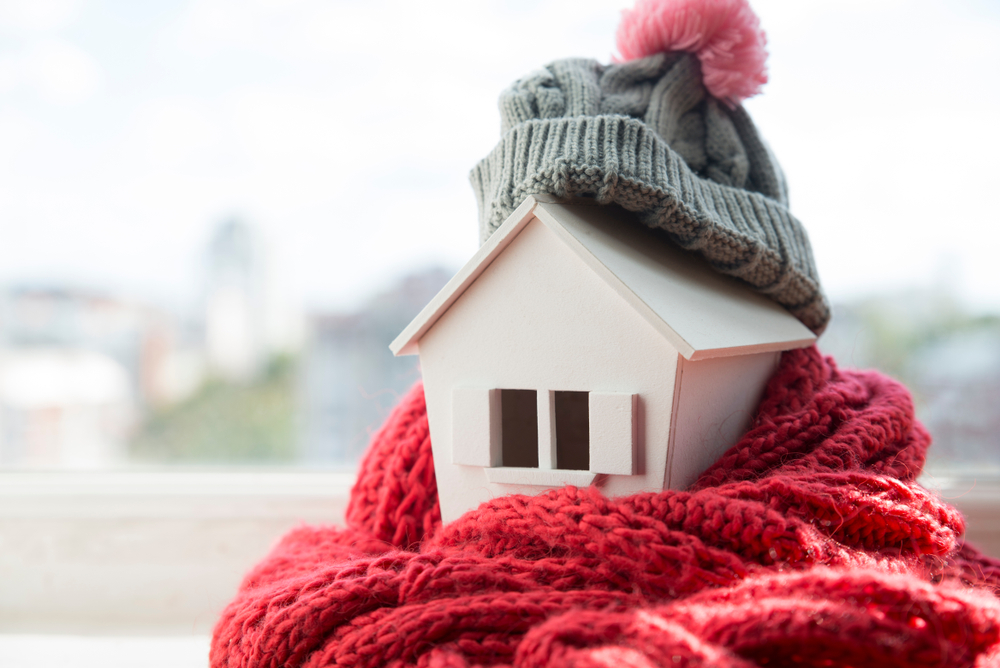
{"x": 702, "y": 313}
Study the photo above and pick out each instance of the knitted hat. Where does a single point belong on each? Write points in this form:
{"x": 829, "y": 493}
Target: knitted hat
{"x": 663, "y": 135}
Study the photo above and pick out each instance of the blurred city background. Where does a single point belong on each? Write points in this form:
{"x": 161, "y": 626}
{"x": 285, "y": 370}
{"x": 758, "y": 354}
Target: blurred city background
{"x": 217, "y": 214}
{"x": 92, "y": 379}
{"x": 95, "y": 380}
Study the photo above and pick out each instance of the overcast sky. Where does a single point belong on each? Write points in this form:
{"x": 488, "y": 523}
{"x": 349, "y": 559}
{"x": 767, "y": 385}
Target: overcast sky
{"x": 346, "y": 129}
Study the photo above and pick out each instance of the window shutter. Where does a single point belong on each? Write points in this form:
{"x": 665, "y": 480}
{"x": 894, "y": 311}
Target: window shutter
{"x": 475, "y": 436}
{"x": 613, "y": 433}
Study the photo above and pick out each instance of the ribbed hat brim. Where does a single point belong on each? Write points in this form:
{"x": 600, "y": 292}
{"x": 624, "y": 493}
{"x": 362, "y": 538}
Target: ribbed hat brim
{"x": 620, "y": 160}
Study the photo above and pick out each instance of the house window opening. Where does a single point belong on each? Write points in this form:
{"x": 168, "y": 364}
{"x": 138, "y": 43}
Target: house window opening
{"x": 572, "y": 431}
{"x": 519, "y": 428}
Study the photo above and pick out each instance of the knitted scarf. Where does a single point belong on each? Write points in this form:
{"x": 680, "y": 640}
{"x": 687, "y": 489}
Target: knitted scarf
{"x": 807, "y": 544}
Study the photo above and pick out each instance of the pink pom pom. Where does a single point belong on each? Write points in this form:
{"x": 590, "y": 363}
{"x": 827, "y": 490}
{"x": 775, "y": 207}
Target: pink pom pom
{"x": 724, "y": 34}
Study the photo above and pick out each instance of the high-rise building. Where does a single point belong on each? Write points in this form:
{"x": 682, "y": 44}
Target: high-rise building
{"x": 234, "y": 302}
{"x": 247, "y": 319}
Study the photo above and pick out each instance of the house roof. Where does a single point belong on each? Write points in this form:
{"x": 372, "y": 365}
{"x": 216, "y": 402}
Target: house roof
{"x": 702, "y": 313}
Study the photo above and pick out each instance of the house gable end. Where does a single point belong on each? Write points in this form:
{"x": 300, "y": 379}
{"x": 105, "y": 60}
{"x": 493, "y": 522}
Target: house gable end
{"x": 407, "y": 341}
{"x": 704, "y": 314}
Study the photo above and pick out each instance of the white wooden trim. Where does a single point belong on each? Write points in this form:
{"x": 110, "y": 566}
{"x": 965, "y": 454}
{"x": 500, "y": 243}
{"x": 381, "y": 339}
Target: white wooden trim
{"x": 539, "y": 477}
{"x": 476, "y": 423}
{"x": 674, "y": 407}
{"x": 613, "y": 432}
{"x": 547, "y": 429}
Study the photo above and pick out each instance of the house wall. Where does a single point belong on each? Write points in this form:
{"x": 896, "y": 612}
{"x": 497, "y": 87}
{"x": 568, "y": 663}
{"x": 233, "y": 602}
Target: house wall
{"x": 714, "y": 404}
{"x": 538, "y": 318}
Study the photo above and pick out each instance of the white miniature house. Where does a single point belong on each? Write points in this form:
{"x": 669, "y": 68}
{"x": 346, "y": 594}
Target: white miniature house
{"x": 579, "y": 347}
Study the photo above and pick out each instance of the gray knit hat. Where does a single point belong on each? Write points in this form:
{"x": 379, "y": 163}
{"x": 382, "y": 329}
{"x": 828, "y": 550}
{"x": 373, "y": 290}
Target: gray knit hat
{"x": 648, "y": 136}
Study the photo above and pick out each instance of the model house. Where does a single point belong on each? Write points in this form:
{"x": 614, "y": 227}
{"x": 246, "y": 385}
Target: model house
{"x": 580, "y": 347}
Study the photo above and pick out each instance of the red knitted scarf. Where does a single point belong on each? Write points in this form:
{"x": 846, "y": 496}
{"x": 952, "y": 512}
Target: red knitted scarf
{"x": 807, "y": 544}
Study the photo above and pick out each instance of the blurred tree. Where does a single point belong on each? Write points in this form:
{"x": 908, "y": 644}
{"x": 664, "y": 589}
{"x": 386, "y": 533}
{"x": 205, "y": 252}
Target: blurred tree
{"x": 226, "y": 422}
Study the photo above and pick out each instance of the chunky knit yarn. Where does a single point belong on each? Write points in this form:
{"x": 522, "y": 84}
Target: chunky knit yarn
{"x": 807, "y": 544}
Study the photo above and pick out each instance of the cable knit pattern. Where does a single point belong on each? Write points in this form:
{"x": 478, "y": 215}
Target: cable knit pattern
{"x": 807, "y": 544}
{"x": 646, "y": 136}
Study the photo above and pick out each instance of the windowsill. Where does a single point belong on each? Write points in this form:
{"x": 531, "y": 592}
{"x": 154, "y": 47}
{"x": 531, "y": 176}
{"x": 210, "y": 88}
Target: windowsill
{"x": 160, "y": 552}
{"x": 173, "y": 494}
{"x": 510, "y": 475}
{"x": 37, "y": 651}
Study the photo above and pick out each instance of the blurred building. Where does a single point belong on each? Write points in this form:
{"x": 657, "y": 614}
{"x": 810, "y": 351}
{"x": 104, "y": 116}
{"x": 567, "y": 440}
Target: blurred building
{"x": 349, "y": 380}
{"x": 234, "y": 302}
{"x": 63, "y": 408}
{"x": 246, "y": 320}
{"x": 70, "y": 361}
{"x": 75, "y": 318}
